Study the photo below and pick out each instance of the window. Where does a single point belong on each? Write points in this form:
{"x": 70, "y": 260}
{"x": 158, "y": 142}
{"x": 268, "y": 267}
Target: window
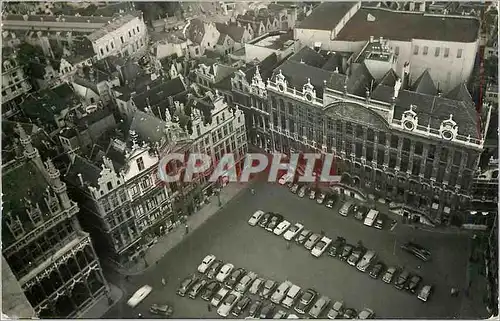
{"x": 437, "y": 52}
{"x": 415, "y": 50}
{"x": 146, "y": 182}
{"x": 133, "y": 30}
{"x": 4, "y": 93}
{"x": 446, "y": 52}
{"x": 102, "y": 51}
{"x": 121, "y": 38}
{"x": 459, "y": 53}
{"x": 107, "y": 48}
{"x": 426, "y": 49}
{"x": 198, "y": 130}
{"x": 112, "y": 45}
{"x": 135, "y": 190}
{"x": 137, "y": 28}
{"x": 110, "y": 186}
{"x": 129, "y": 34}
{"x": 140, "y": 163}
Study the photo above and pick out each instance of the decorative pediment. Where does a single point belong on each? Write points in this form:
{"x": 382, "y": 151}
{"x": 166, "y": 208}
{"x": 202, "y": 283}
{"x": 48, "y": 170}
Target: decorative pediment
{"x": 448, "y": 129}
{"x": 410, "y": 119}
{"x": 308, "y": 91}
{"x": 281, "y": 81}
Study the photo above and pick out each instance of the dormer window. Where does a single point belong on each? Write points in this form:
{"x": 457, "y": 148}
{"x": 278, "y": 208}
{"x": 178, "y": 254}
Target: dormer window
{"x": 34, "y": 213}
{"x": 110, "y": 186}
{"x": 15, "y": 226}
{"x": 449, "y": 129}
{"x": 140, "y": 164}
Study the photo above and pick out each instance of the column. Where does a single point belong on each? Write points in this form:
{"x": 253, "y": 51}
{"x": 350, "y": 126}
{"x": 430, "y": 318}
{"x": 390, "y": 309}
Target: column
{"x": 375, "y": 148}
{"x": 365, "y": 137}
{"x": 449, "y": 161}
{"x": 353, "y": 139}
{"x": 425, "y": 153}
{"x": 463, "y": 164}
{"x": 410, "y": 160}
{"x": 334, "y": 137}
{"x": 435, "y": 163}
{"x": 400, "y": 149}
{"x": 387, "y": 149}
{"x": 344, "y": 136}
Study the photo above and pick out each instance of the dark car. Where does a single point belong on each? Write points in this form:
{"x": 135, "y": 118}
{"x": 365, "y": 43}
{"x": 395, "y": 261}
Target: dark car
{"x": 306, "y": 300}
{"x": 336, "y": 248}
{"x": 275, "y": 220}
{"x": 346, "y": 252}
{"x": 196, "y": 289}
{"x": 379, "y": 223}
{"x": 214, "y": 269}
{"x": 303, "y": 236}
{"x": 165, "y": 310}
{"x": 254, "y": 310}
{"x": 417, "y": 250}
{"x": 265, "y": 220}
{"x": 210, "y": 289}
{"x": 241, "y": 306}
{"x": 350, "y": 313}
{"x": 377, "y": 269}
{"x": 267, "y": 311}
{"x": 186, "y": 284}
{"x": 267, "y": 289}
{"x": 356, "y": 255}
{"x": 360, "y": 213}
{"x": 390, "y": 274}
{"x": 235, "y": 276}
{"x": 413, "y": 283}
{"x": 401, "y": 280}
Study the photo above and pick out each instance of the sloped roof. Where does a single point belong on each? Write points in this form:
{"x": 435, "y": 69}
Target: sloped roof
{"x": 390, "y": 78}
{"x": 309, "y": 57}
{"x": 117, "y": 23}
{"x": 424, "y": 84}
{"x": 234, "y": 31}
{"x": 195, "y": 31}
{"x": 357, "y": 82}
{"x": 148, "y": 128}
{"x": 159, "y": 94}
{"x": 326, "y": 16}
{"x": 266, "y": 68}
{"x": 461, "y": 93}
{"x": 89, "y": 171}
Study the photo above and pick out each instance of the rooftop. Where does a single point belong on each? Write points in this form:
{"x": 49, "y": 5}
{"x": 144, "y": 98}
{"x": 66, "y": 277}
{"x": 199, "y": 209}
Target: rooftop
{"x": 326, "y": 16}
{"x": 275, "y": 40}
{"x": 404, "y": 26}
{"x": 375, "y": 51}
{"x": 115, "y": 24}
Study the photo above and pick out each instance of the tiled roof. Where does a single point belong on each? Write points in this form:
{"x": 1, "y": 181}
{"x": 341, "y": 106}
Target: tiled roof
{"x": 266, "y": 68}
{"x": 232, "y": 30}
{"x": 159, "y": 95}
{"x": 195, "y": 31}
{"x": 424, "y": 84}
{"x": 405, "y": 26}
{"x": 47, "y": 18}
{"x": 148, "y": 127}
{"x": 389, "y": 78}
{"x": 357, "y": 82}
{"x": 309, "y": 57}
{"x": 326, "y": 16}
{"x": 115, "y": 24}
{"x": 90, "y": 172}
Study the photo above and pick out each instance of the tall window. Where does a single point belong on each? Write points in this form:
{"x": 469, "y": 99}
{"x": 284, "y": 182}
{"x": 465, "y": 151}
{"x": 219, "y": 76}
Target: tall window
{"x": 459, "y": 53}
{"x": 415, "y": 50}
{"x": 140, "y": 163}
{"x": 437, "y": 52}
{"x": 446, "y": 52}
{"x": 426, "y": 49}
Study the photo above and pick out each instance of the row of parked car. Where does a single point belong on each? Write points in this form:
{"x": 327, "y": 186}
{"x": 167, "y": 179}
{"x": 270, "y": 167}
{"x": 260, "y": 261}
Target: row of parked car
{"x": 228, "y": 289}
{"x": 363, "y": 259}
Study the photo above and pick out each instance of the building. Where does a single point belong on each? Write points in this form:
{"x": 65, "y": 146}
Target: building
{"x": 50, "y": 255}
{"x": 203, "y": 36}
{"x": 446, "y": 45}
{"x": 232, "y": 37}
{"x": 59, "y": 23}
{"x": 14, "y": 83}
{"x": 280, "y": 43}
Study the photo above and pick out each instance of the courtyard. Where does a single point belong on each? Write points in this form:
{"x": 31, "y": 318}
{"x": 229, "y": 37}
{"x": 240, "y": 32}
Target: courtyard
{"x": 230, "y": 238}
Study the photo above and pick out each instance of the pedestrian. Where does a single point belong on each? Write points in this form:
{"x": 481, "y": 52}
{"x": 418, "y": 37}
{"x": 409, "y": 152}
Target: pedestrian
{"x": 209, "y": 307}
{"x": 139, "y": 316}
{"x": 288, "y": 245}
{"x": 163, "y": 281}
{"x": 322, "y": 233}
{"x": 252, "y": 191}
{"x": 187, "y": 228}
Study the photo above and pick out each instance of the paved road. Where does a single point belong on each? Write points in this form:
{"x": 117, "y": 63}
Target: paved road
{"x": 228, "y": 236}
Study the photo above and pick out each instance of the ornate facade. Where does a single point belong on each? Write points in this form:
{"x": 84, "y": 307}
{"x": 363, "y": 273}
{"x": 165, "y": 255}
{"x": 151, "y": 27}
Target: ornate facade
{"x": 51, "y": 256}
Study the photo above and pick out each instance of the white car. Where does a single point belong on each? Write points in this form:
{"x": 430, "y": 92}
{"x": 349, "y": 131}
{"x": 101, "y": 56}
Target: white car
{"x": 424, "y": 293}
{"x": 139, "y": 295}
{"x": 321, "y": 246}
{"x": 255, "y": 218}
{"x": 224, "y": 272}
{"x": 285, "y": 178}
{"x": 281, "y": 227}
{"x": 217, "y": 299}
{"x": 293, "y": 316}
{"x": 280, "y": 292}
{"x": 256, "y": 285}
{"x": 228, "y": 303}
{"x": 293, "y": 231}
{"x": 291, "y": 296}
{"x": 205, "y": 264}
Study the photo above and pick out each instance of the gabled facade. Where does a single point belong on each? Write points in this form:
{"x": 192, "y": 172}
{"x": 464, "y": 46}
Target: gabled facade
{"x": 14, "y": 83}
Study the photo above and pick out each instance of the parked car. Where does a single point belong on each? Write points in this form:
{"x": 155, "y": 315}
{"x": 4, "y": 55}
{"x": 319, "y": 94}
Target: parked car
{"x": 390, "y": 274}
{"x": 344, "y": 210}
{"x": 356, "y": 255}
{"x": 312, "y": 194}
{"x": 366, "y": 260}
{"x": 280, "y": 315}
{"x": 371, "y": 217}
{"x": 294, "y": 188}
{"x": 377, "y": 269}
{"x": 214, "y": 269}
{"x": 366, "y": 314}
{"x": 275, "y": 220}
{"x": 312, "y": 240}
{"x": 321, "y": 198}
{"x": 303, "y": 236}
{"x": 164, "y": 310}
{"x": 235, "y": 276}
{"x": 241, "y": 306}
{"x": 254, "y": 309}
{"x": 255, "y": 217}
{"x": 205, "y": 264}
{"x": 186, "y": 284}
{"x": 346, "y": 252}
{"x": 245, "y": 282}
{"x": 293, "y": 231}
{"x": 228, "y": 303}
{"x": 224, "y": 272}
{"x": 336, "y": 247}
{"x": 417, "y": 250}
{"x": 336, "y": 311}
{"x": 267, "y": 289}
{"x": 413, "y": 283}
{"x": 321, "y": 246}
{"x": 401, "y": 280}
{"x": 330, "y": 202}
{"x": 302, "y": 191}
{"x": 319, "y": 307}
{"x": 256, "y": 285}
{"x": 139, "y": 295}
{"x": 349, "y": 313}
{"x": 291, "y": 296}
{"x": 379, "y": 223}
{"x": 219, "y": 296}
{"x": 196, "y": 289}
{"x": 281, "y": 228}
{"x": 305, "y": 301}
{"x": 280, "y": 292}
{"x": 360, "y": 213}
{"x": 210, "y": 290}
{"x": 266, "y": 218}
{"x": 293, "y": 316}
{"x": 425, "y": 292}
{"x": 267, "y": 311}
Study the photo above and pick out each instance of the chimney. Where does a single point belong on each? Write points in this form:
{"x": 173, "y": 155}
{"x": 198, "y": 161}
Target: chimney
{"x": 381, "y": 40}
{"x": 81, "y": 179}
{"x": 372, "y": 38}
